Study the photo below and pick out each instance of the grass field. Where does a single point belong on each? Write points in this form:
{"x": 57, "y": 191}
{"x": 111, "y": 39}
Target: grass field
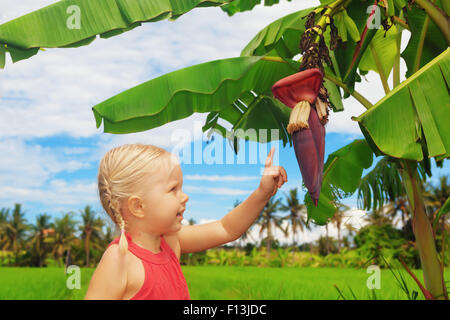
{"x": 219, "y": 283}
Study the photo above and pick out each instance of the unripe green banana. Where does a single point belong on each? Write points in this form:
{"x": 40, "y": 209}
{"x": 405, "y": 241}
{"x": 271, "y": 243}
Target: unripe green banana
{"x": 340, "y": 24}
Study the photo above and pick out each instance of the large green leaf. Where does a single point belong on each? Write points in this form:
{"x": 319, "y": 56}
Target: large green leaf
{"x": 385, "y": 45}
{"x": 281, "y": 36}
{"x": 349, "y": 55}
{"x": 245, "y": 5}
{"x": 382, "y": 184}
{"x": 207, "y": 87}
{"x": 434, "y": 42}
{"x": 342, "y": 175}
{"x": 48, "y": 27}
{"x": 245, "y": 116}
{"x": 411, "y": 122}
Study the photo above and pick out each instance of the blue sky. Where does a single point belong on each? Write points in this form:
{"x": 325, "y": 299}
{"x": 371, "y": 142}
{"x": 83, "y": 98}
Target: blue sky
{"x": 50, "y": 144}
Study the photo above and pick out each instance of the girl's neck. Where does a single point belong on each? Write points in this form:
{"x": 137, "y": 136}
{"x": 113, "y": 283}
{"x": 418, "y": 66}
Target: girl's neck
{"x": 150, "y": 242}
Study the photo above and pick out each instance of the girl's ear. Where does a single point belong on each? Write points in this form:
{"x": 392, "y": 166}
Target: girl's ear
{"x": 136, "y": 206}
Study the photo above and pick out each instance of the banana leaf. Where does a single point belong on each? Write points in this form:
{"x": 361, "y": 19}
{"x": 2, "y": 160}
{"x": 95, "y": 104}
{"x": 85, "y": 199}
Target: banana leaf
{"x": 411, "y": 122}
{"x": 179, "y": 94}
{"x": 245, "y": 5}
{"x": 349, "y": 55}
{"x": 434, "y": 42}
{"x": 282, "y": 36}
{"x": 245, "y": 117}
{"x": 48, "y": 26}
{"x": 385, "y": 44}
{"x": 341, "y": 178}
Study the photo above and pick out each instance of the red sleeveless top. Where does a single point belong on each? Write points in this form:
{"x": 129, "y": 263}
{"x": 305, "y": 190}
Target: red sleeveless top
{"x": 164, "y": 279}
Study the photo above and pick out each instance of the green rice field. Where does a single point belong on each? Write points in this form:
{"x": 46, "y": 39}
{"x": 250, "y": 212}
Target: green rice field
{"x": 227, "y": 283}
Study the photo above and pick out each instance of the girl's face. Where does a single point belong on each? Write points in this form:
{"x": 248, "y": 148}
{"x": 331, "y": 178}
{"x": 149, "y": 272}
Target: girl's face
{"x": 164, "y": 201}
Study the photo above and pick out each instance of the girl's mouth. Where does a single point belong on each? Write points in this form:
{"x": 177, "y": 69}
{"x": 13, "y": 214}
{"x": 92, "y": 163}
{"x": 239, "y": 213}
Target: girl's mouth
{"x": 180, "y": 214}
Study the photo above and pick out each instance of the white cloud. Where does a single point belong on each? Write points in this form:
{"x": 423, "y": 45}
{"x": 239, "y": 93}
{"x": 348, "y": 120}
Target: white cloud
{"x": 31, "y": 165}
{"x": 56, "y": 193}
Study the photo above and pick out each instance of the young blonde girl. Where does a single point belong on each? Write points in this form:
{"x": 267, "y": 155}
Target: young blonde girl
{"x": 140, "y": 187}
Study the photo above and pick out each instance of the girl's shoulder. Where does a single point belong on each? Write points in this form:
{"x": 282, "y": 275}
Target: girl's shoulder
{"x": 112, "y": 265}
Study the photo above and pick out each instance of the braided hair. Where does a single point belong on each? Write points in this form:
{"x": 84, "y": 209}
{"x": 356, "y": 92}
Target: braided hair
{"x": 122, "y": 170}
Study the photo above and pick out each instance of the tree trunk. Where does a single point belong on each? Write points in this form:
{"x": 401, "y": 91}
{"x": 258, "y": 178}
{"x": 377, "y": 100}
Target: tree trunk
{"x": 339, "y": 237}
{"x": 15, "y": 250}
{"x": 425, "y": 242}
{"x": 268, "y": 244}
{"x": 86, "y": 247}
{"x": 327, "y": 240}
{"x": 68, "y": 257}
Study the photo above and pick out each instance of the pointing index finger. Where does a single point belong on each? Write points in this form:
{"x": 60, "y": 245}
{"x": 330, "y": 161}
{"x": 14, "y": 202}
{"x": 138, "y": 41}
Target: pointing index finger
{"x": 269, "y": 160}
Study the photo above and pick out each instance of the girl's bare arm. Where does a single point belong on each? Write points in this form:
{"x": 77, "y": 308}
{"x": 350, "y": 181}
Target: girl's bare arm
{"x": 109, "y": 280}
{"x": 237, "y": 221}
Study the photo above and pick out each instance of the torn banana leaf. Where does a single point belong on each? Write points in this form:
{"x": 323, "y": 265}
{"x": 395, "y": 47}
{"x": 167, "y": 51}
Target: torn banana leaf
{"x": 341, "y": 177}
{"x": 245, "y": 5}
{"x": 48, "y": 27}
{"x": 213, "y": 86}
{"x": 411, "y": 122}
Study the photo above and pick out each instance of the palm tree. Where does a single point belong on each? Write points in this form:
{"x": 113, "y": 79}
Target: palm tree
{"x": 268, "y": 219}
{"x": 435, "y": 196}
{"x": 381, "y": 185}
{"x": 191, "y": 222}
{"x": 64, "y": 236}
{"x": 108, "y": 236}
{"x": 378, "y": 217}
{"x": 296, "y": 215}
{"x": 351, "y": 229}
{"x": 39, "y": 236}
{"x": 16, "y": 228}
{"x": 4, "y": 243}
{"x": 91, "y": 229}
{"x": 399, "y": 205}
{"x": 337, "y": 220}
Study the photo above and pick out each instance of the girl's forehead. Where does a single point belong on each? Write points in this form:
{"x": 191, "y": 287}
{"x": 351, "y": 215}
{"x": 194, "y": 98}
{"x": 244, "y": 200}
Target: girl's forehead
{"x": 170, "y": 168}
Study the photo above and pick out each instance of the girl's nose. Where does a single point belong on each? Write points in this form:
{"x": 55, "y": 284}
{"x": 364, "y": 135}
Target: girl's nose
{"x": 185, "y": 197}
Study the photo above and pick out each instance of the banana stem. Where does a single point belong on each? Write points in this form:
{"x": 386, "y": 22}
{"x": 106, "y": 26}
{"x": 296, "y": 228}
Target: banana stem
{"x": 331, "y": 10}
{"x": 425, "y": 244}
{"x": 366, "y": 103}
{"x": 419, "y": 51}
{"x": 439, "y": 17}
{"x": 396, "y": 69}
{"x": 361, "y": 99}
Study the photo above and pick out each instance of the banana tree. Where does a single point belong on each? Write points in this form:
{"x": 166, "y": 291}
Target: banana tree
{"x": 338, "y": 38}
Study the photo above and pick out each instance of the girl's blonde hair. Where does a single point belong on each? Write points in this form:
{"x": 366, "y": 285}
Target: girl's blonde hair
{"x": 121, "y": 171}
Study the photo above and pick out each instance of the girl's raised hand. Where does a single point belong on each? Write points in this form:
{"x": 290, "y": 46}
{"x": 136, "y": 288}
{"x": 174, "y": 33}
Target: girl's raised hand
{"x": 273, "y": 177}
